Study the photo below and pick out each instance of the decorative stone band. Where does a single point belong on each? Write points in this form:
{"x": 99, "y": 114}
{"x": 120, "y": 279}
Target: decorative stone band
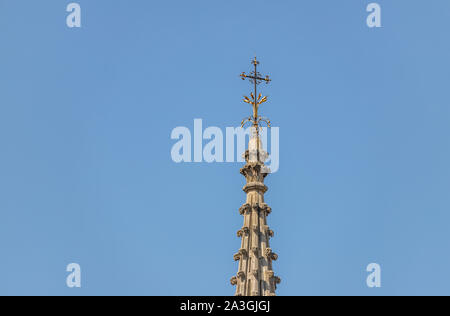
{"x": 251, "y": 167}
{"x": 253, "y": 171}
{"x": 255, "y": 186}
{"x": 246, "y": 208}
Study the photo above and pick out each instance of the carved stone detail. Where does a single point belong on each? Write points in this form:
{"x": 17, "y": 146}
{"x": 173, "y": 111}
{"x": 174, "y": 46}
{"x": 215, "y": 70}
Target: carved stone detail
{"x": 233, "y": 280}
{"x": 271, "y": 255}
{"x": 244, "y": 209}
{"x": 252, "y": 172}
{"x": 268, "y": 231}
{"x": 255, "y": 186}
{"x": 277, "y": 280}
{"x": 242, "y": 253}
{"x": 272, "y": 279}
{"x": 243, "y": 231}
{"x": 269, "y": 274}
{"x": 266, "y": 208}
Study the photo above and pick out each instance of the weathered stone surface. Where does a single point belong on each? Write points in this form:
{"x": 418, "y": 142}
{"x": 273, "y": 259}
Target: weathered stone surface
{"x": 255, "y": 276}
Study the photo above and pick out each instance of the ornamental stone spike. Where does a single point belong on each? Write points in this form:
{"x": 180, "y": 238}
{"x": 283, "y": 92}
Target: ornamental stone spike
{"x": 255, "y": 276}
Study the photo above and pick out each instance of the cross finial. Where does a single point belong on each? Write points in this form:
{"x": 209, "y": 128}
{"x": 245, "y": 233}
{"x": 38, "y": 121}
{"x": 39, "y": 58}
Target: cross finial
{"x": 255, "y": 100}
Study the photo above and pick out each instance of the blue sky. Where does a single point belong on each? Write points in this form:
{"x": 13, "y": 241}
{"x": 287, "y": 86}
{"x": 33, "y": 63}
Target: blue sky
{"x": 86, "y": 174}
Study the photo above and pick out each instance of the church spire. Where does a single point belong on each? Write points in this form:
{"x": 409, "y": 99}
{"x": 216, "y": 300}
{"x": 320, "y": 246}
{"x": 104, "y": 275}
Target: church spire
{"x": 255, "y": 276}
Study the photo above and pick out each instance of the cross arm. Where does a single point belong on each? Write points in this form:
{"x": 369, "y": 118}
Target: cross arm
{"x": 266, "y": 79}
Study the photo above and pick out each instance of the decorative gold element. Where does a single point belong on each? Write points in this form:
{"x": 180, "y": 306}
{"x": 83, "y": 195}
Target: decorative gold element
{"x": 255, "y": 78}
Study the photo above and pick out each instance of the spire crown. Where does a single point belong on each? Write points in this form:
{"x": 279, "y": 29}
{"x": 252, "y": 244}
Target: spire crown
{"x": 255, "y": 100}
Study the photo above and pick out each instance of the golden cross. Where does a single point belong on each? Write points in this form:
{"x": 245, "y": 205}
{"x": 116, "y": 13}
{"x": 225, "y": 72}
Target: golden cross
{"x": 255, "y": 100}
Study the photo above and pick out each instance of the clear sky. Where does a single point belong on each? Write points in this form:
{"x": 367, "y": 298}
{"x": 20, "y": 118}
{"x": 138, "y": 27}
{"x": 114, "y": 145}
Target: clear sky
{"x": 86, "y": 174}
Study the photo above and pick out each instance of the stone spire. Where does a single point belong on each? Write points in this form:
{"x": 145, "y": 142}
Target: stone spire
{"x": 255, "y": 276}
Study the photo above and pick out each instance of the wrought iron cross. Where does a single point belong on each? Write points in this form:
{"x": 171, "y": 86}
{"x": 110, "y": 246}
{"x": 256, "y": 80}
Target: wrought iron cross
{"x": 255, "y": 100}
